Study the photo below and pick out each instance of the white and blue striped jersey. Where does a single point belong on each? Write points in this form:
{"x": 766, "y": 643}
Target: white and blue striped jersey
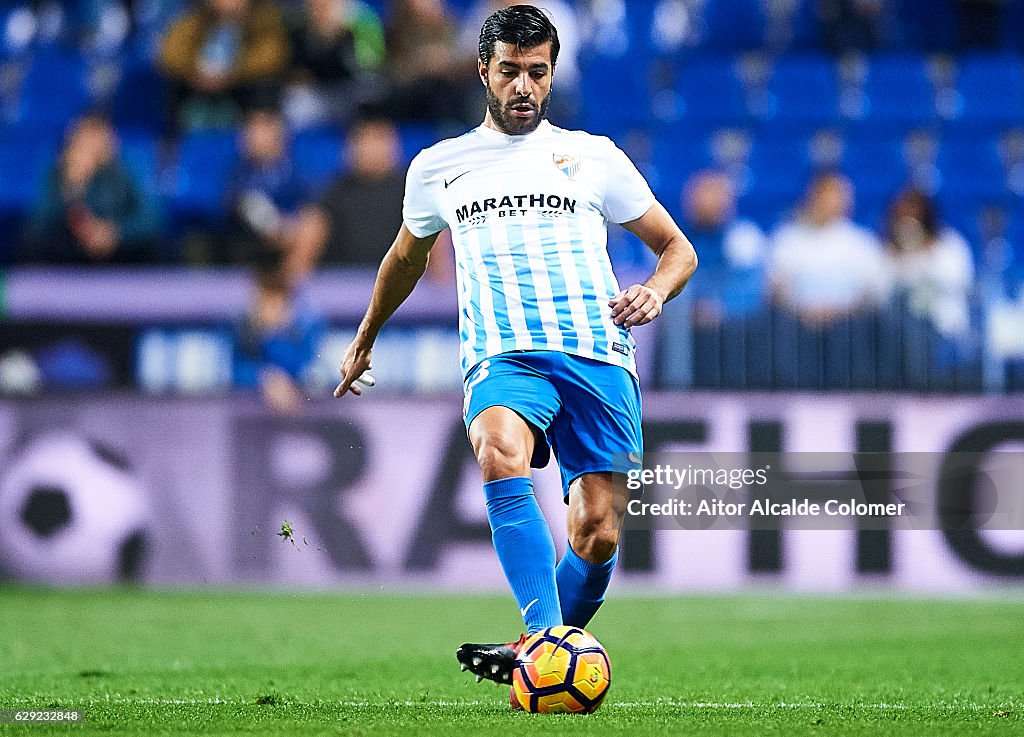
{"x": 528, "y": 216}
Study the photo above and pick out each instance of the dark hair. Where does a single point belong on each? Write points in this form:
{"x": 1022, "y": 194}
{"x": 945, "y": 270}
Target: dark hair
{"x": 922, "y": 207}
{"x": 522, "y": 25}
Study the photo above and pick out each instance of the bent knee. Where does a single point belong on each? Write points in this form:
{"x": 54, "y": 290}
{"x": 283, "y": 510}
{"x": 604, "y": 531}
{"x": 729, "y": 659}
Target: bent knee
{"x": 501, "y": 456}
{"x": 596, "y": 541}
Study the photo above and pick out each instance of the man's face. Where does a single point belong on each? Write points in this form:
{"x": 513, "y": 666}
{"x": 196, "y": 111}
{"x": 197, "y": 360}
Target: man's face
{"x": 831, "y": 199}
{"x": 264, "y": 137}
{"x": 518, "y": 83}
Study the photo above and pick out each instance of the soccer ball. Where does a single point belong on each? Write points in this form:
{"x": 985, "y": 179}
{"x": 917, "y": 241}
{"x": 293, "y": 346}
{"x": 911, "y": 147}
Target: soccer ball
{"x": 561, "y": 670}
{"x": 71, "y": 513}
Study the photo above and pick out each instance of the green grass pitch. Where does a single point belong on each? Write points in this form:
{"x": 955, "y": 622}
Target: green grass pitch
{"x": 214, "y": 663}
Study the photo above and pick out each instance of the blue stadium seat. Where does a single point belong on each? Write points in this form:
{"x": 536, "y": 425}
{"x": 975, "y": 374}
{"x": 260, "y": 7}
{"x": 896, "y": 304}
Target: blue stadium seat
{"x": 614, "y": 94}
{"x": 141, "y": 154}
{"x": 897, "y": 91}
{"x": 710, "y": 92}
{"x": 804, "y": 90}
{"x": 734, "y": 24}
{"x": 877, "y": 167}
{"x": 780, "y": 167}
{"x": 26, "y": 158}
{"x": 141, "y": 101}
{"x": 926, "y": 24}
{"x": 674, "y": 159}
{"x": 415, "y": 138}
{"x": 991, "y": 89}
{"x": 768, "y": 210}
{"x": 317, "y": 155}
{"x": 806, "y": 26}
{"x": 205, "y": 162}
{"x": 55, "y": 89}
{"x": 971, "y": 166}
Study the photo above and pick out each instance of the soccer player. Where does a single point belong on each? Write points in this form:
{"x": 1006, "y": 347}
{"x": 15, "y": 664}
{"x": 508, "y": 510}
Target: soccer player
{"x": 545, "y": 342}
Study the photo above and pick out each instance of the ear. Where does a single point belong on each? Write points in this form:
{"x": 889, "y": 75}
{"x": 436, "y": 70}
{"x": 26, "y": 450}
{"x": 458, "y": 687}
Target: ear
{"x": 481, "y": 69}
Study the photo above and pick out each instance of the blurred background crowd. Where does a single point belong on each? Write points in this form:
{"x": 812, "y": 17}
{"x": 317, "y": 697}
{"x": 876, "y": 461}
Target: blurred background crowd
{"x": 851, "y": 173}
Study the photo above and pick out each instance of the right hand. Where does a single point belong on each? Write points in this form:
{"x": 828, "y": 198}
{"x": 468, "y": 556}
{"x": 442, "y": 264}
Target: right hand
{"x": 355, "y": 363}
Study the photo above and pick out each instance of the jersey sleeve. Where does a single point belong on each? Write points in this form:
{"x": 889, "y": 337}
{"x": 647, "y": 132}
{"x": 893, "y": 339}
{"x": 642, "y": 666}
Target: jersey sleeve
{"x": 627, "y": 194}
{"x": 418, "y": 210}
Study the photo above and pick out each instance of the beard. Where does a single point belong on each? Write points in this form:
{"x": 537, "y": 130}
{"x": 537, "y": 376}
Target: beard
{"x": 509, "y": 123}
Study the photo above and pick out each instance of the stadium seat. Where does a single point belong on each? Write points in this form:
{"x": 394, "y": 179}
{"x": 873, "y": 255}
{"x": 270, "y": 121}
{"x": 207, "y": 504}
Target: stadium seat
{"x": 877, "y": 166}
{"x": 780, "y": 167}
{"x": 806, "y": 25}
{"x": 205, "y": 162}
{"x": 415, "y": 138}
{"x": 710, "y": 93}
{"x": 317, "y": 155}
{"x": 804, "y": 90}
{"x": 926, "y": 24}
{"x": 54, "y": 90}
{"x": 141, "y": 101}
{"x": 615, "y": 94}
{"x": 674, "y": 158}
{"x": 897, "y": 91}
{"x": 991, "y": 90}
{"x": 24, "y": 165}
{"x": 734, "y": 24}
{"x": 972, "y": 166}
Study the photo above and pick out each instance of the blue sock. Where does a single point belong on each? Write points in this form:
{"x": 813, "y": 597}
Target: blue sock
{"x": 581, "y": 586}
{"x": 525, "y": 548}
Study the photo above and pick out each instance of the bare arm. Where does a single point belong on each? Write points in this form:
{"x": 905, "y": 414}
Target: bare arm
{"x": 641, "y": 303}
{"x": 401, "y": 269}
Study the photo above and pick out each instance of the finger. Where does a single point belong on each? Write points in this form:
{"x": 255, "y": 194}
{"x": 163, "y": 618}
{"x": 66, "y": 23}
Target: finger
{"x": 345, "y": 386}
{"x": 624, "y": 299}
{"x": 641, "y": 311}
{"x": 643, "y": 316}
{"x": 628, "y": 296}
{"x": 341, "y": 390}
{"x": 638, "y": 303}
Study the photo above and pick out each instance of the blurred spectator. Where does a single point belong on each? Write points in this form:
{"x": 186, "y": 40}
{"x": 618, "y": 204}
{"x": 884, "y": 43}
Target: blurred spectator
{"x": 276, "y": 341}
{"x": 852, "y": 25}
{"x": 980, "y": 23}
{"x": 337, "y": 48}
{"x": 822, "y": 266}
{"x": 731, "y": 248}
{"x": 92, "y": 209}
{"x": 357, "y": 219}
{"x": 222, "y": 57}
{"x": 430, "y": 81}
{"x": 265, "y": 193}
{"x": 932, "y": 265}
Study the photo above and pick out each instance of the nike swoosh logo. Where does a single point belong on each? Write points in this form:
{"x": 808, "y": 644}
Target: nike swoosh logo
{"x": 525, "y": 609}
{"x": 449, "y": 182}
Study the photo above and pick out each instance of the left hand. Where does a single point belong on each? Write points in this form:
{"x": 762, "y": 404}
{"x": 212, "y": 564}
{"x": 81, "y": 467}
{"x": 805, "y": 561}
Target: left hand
{"x": 99, "y": 237}
{"x": 636, "y": 305}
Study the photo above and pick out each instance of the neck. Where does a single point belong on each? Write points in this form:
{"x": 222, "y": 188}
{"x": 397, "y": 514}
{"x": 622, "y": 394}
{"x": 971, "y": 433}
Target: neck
{"x": 489, "y": 123}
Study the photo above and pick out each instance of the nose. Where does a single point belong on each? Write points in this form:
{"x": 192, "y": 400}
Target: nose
{"x": 523, "y": 85}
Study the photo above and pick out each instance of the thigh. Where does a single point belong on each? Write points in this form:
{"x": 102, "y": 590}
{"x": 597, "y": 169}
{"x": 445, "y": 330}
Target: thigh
{"x": 511, "y": 382}
{"x": 598, "y": 428}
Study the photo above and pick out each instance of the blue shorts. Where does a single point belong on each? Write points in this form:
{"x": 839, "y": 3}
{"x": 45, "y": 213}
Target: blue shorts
{"x": 586, "y": 411}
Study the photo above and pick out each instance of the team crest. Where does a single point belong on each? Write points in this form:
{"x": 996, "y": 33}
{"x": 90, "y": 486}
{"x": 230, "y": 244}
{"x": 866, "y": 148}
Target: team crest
{"x": 569, "y": 165}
